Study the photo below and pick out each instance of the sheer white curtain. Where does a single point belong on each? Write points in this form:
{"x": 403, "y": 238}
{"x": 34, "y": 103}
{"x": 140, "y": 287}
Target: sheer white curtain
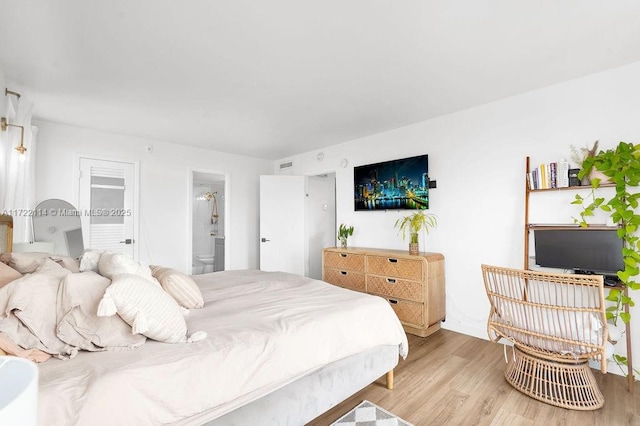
{"x": 17, "y": 172}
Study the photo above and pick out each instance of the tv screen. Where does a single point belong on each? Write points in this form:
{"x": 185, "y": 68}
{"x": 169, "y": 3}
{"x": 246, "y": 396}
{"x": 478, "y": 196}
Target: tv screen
{"x": 587, "y": 250}
{"x": 396, "y": 184}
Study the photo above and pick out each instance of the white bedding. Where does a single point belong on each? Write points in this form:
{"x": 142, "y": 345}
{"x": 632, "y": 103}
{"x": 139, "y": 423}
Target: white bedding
{"x": 265, "y": 329}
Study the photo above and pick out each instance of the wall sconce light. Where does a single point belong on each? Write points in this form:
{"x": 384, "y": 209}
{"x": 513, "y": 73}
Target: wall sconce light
{"x": 3, "y": 126}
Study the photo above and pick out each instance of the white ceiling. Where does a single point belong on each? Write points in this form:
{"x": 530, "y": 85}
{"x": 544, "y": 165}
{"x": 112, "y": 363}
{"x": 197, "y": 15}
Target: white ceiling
{"x": 275, "y": 78}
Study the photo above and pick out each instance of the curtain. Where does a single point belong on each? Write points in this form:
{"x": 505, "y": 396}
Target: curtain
{"x": 17, "y": 172}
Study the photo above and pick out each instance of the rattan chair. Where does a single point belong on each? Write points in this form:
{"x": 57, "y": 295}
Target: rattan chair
{"x": 6, "y": 233}
{"x": 557, "y": 323}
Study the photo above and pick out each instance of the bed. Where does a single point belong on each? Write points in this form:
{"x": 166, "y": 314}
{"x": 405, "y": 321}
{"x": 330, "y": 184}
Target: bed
{"x": 279, "y": 349}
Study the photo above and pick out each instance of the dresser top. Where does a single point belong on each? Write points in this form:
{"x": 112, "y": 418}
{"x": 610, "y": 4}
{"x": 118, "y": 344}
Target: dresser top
{"x": 386, "y": 252}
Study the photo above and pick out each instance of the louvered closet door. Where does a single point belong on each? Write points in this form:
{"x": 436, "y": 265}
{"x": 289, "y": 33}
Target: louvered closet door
{"x": 106, "y": 204}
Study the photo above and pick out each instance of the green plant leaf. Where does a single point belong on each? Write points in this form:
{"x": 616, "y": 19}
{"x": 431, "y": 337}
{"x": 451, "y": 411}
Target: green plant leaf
{"x": 625, "y": 317}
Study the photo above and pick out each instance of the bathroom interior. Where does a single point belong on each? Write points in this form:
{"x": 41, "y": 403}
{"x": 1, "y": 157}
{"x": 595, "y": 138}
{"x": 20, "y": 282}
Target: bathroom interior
{"x": 208, "y": 223}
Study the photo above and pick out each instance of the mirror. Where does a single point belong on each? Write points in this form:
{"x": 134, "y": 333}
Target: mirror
{"x": 58, "y": 222}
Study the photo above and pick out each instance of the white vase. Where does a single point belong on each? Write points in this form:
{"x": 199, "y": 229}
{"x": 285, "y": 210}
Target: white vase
{"x": 596, "y": 174}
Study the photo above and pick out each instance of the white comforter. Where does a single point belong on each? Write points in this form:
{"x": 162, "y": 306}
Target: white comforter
{"x": 265, "y": 329}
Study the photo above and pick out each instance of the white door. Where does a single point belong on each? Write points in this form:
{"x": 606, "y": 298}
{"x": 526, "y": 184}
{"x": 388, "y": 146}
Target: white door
{"x": 282, "y": 217}
{"x": 106, "y": 204}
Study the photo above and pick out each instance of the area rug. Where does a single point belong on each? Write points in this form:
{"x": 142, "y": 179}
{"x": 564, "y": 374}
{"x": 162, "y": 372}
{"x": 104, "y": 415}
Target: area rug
{"x": 369, "y": 414}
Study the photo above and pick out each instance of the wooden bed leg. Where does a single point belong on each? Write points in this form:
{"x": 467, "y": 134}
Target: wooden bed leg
{"x": 389, "y": 379}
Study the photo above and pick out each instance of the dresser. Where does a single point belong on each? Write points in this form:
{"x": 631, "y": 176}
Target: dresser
{"x": 412, "y": 284}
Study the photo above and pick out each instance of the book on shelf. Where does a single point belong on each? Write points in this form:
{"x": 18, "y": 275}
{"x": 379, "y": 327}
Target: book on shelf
{"x": 550, "y": 175}
{"x": 563, "y": 174}
{"x": 543, "y": 175}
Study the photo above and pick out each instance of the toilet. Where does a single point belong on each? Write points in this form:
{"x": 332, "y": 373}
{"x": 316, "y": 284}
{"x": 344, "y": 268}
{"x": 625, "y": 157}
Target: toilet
{"x": 197, "y": 269}
{"x": 208, "y": 260}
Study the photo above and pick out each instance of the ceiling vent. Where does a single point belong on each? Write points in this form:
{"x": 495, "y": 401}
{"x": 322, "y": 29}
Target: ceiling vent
{"x": 286, "y": 165}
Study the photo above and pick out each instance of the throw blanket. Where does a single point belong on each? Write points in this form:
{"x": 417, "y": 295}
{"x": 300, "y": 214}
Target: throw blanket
{"x": 53, "y": 311}
{"x": 265, "y": 330}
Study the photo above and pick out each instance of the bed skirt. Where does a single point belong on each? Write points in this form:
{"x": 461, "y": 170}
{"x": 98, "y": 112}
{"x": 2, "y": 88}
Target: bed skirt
{"x": 306, "y": 398}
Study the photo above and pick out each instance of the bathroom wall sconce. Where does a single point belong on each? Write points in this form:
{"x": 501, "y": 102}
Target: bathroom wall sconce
{"x": 207, "y": 196}
{"x": 4, "y": 125}
{"x": 8, "y": 92}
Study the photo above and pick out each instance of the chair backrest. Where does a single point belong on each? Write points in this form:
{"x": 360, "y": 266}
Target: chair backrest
{"x": 6, "y": 233}
{"x": 560, "y": 317}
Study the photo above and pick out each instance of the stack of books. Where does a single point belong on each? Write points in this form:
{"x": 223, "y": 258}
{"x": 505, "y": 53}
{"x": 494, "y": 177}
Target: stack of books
{"x": 549, "y": 175}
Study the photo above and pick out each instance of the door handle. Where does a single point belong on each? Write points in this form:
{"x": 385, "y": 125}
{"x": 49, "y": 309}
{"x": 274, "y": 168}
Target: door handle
{"x": 264, "y": 240}
{"x": 127, "y": 241}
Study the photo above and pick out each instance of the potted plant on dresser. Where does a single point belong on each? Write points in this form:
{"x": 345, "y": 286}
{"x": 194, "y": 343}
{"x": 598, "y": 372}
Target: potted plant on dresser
{"x": 344, "y": 232}
{"x": 412, "y": 225}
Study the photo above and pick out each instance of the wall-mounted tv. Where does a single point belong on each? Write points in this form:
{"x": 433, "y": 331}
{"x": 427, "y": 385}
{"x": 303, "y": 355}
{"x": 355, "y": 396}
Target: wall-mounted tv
{"x": 583, "y": 249}
{"x": 392, "y": 185}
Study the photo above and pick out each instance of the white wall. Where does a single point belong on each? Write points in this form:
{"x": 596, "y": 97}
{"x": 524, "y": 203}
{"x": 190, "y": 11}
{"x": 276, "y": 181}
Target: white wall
{"x": 164, "y": 188}
{"x": 477, "y": 157}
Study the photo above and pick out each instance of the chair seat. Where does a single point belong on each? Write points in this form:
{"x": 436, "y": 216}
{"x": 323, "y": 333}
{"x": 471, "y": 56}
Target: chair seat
{"x": 567, "y": 385}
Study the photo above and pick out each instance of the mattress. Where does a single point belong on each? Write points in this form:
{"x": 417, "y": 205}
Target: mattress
{"x": 265, "y": 330}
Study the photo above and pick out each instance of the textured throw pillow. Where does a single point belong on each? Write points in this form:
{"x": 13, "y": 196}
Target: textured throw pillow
{"x": 112, "y": 264}
{"x": 25, "y": 263}
{"x": 89, "y": 260}
{"x": 8, "y": 274}
{"x": 180, "y": 286}
{"x": 147, "y": 309}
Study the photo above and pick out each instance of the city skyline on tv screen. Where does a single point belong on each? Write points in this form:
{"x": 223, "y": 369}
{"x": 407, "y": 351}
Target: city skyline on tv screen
{"x": 392, "y": 185}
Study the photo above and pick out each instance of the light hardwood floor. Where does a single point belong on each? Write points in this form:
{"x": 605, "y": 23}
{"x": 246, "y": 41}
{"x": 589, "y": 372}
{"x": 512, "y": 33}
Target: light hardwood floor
{"x": 454, "y": 379}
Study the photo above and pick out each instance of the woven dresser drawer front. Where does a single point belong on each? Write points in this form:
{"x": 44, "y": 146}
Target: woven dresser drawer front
{"x": 351, "y": 280}
{"x": 344, "y": 261}
{"x": 394, "y": 287}
{"x": 395, "y": 267}
{"x": 408, "y": 312}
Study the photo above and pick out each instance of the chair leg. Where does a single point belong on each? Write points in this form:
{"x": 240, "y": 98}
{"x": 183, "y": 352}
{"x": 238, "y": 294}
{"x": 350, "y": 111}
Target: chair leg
{"x": 565, "y": 385}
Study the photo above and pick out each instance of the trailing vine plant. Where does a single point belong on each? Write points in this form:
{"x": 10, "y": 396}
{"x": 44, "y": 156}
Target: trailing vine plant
{"x": 622, "y": 168}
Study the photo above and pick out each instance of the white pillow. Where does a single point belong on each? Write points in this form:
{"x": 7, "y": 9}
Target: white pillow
{"x": 25, "y": 263}
{"x": 89, "y": 260}
{"x": 180, "y": 286}
{"x": 112, "y": 264}
{"x": 147, "y": 309}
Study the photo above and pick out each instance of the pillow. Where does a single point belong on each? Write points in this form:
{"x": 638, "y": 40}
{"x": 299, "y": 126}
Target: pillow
{"x": 29, "y": 305}
{"x": 147, "y": 309}
{"x": 180, "y": 286}
{"x": 112, "y": 264}
{"x": 89, "y": 260}
{"x": 67, "y": 262}
{"x": 25, "y": 263}
{"x": 78, "y": 299}
{"x": 8, "y": 274}
{"x": 52, "y": 269}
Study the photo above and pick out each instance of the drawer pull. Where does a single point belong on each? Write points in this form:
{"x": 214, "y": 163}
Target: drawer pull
{"x": 392, "y": 260}
{"x": 393, "y": 302}
{"x": 391, "y": 281}
{"x": 343, "y": 272}
{"x": 343, "y": 255}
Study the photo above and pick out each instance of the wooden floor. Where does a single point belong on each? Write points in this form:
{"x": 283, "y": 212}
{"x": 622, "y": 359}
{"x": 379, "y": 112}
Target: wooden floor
{"x": 454, "y": 379}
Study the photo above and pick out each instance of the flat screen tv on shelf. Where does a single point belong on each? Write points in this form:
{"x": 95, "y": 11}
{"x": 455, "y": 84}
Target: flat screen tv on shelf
{"x": 401, "y": 184}
{"x": 581, "y": 249}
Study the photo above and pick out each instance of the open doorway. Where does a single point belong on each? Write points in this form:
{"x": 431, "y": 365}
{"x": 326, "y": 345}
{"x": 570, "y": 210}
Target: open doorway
{"x": 209, "y": 221}
{"x": 320, "y": 219}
